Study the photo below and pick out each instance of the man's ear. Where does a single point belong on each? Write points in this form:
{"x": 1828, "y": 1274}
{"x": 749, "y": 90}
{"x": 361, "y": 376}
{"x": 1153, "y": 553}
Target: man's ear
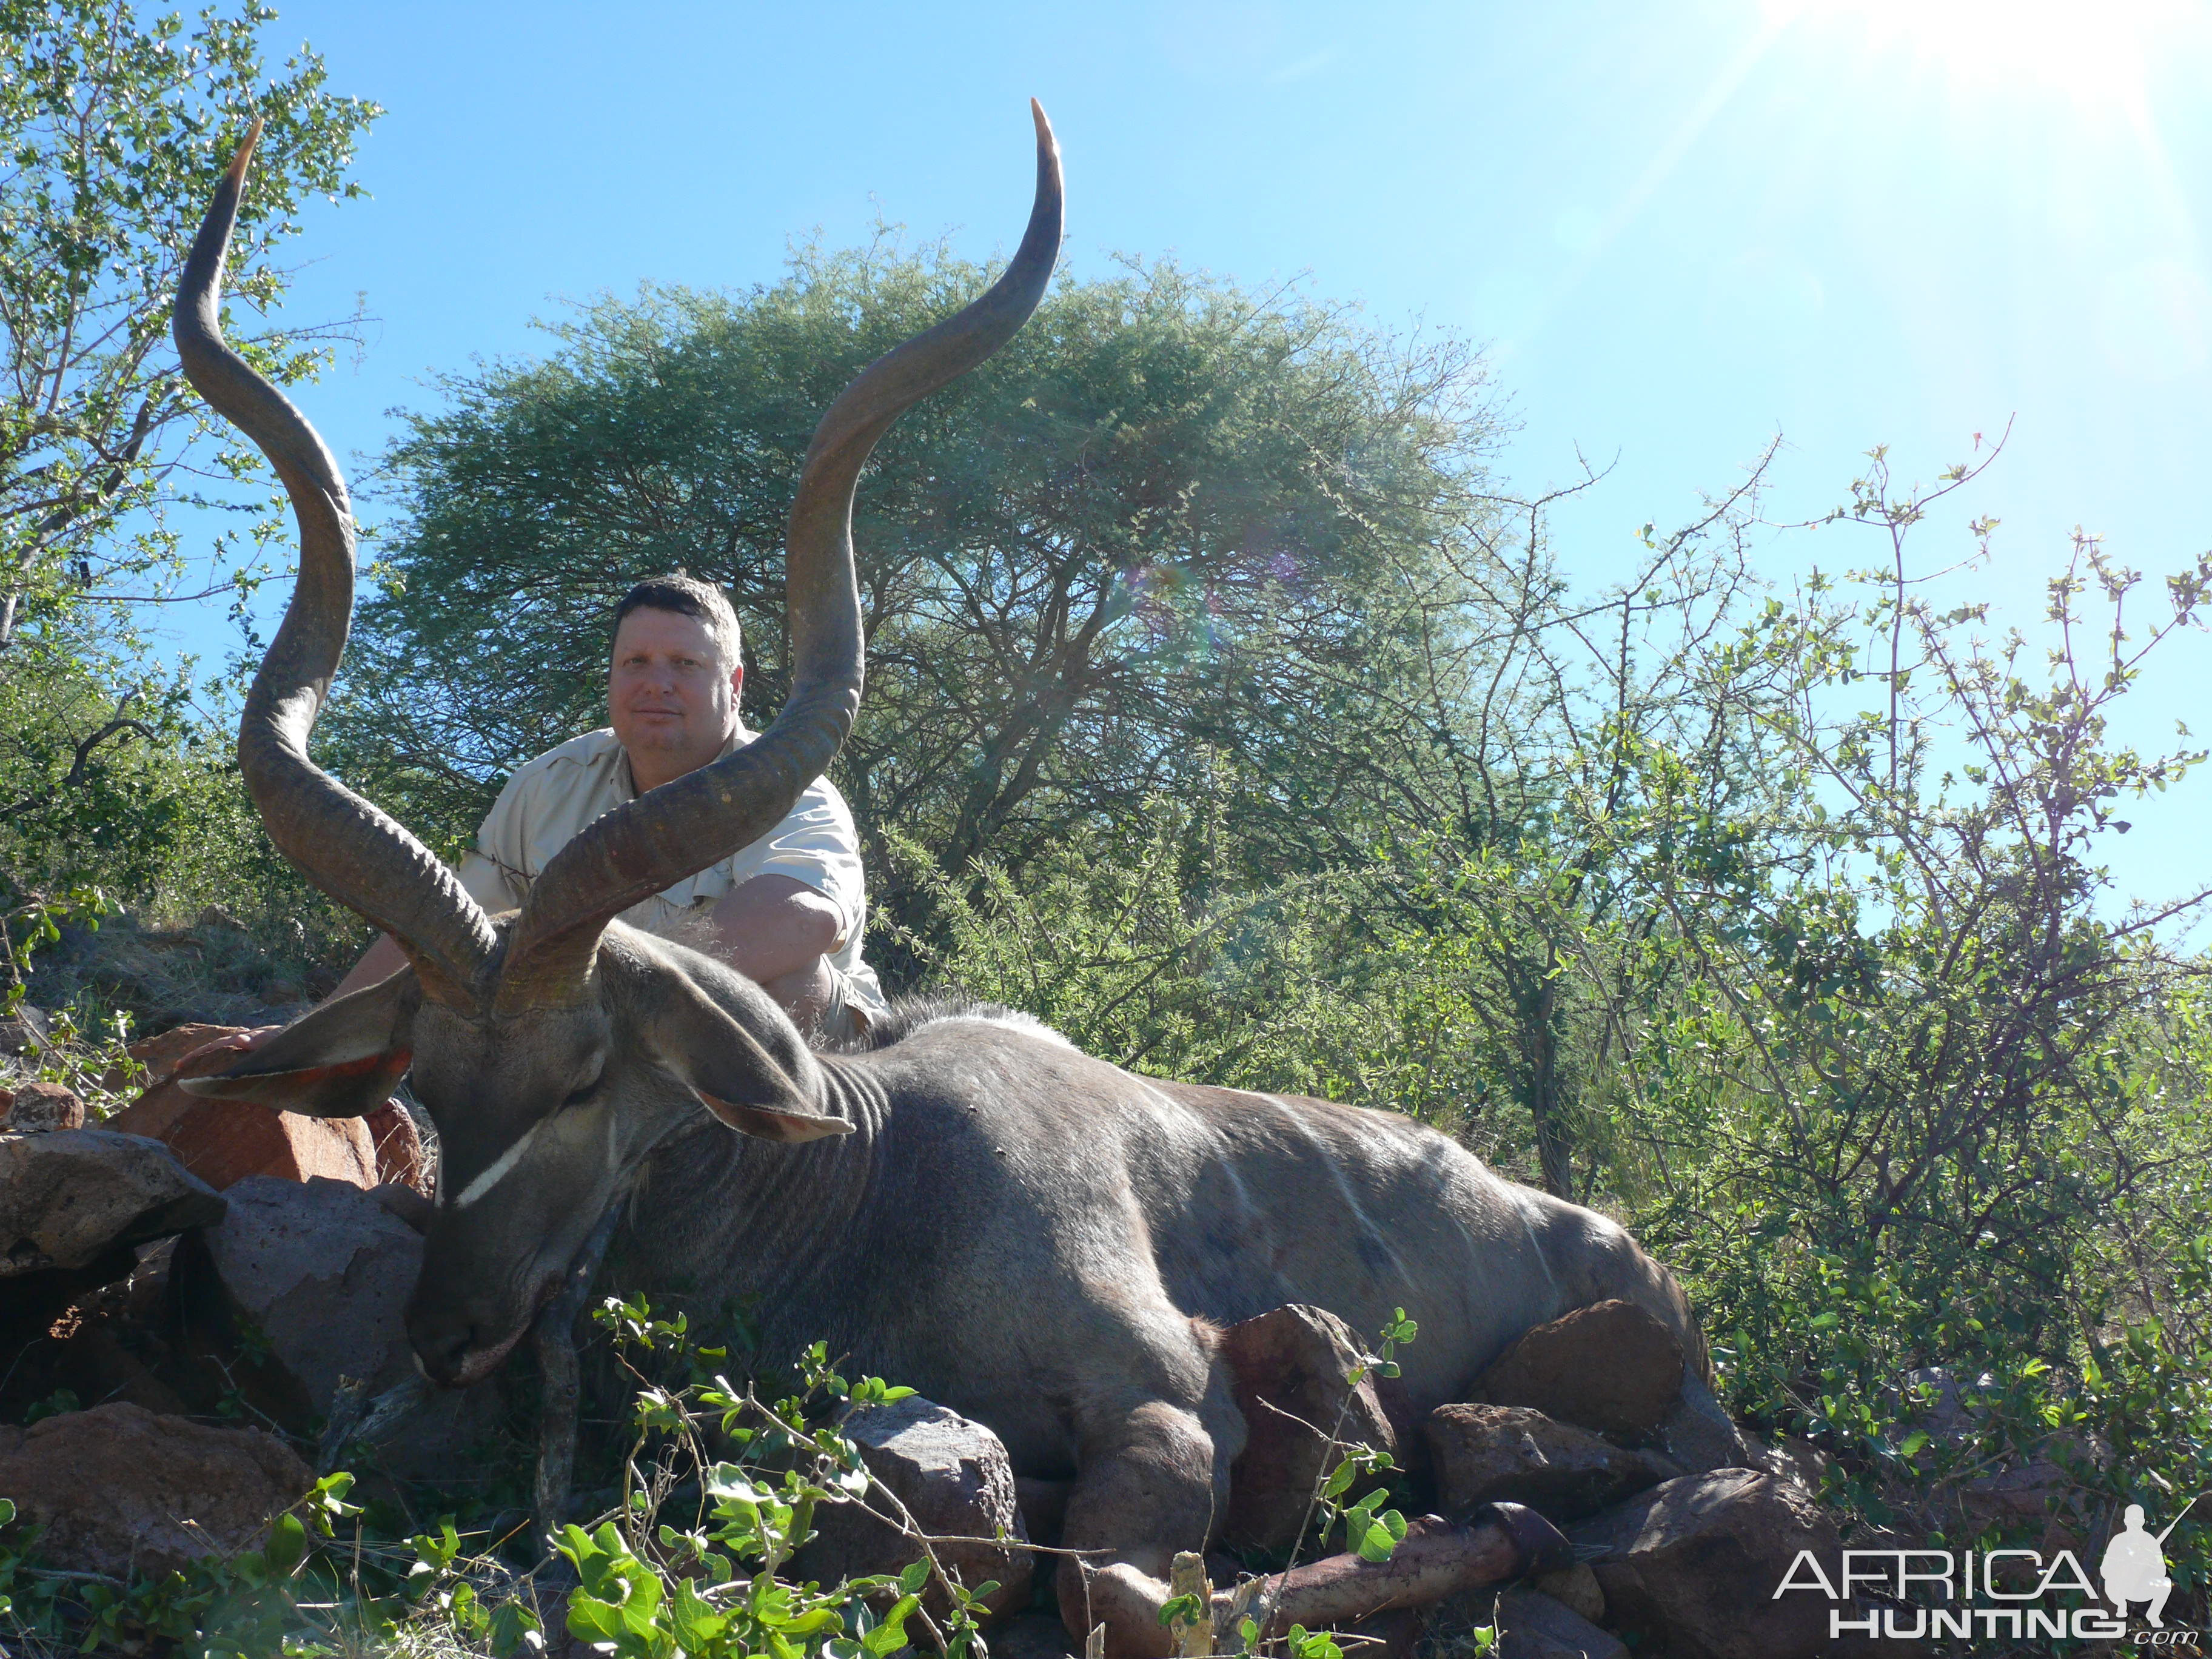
{"x": 341, "y": 1060}
{"x": 731, "y": 1070}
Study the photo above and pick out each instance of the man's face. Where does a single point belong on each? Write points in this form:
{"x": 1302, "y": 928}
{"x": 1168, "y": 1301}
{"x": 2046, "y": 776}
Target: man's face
{"x": 672, "y": 697}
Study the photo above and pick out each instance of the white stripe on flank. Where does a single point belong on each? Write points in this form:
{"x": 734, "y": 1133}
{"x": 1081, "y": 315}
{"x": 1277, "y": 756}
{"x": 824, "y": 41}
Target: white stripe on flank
{"x": 492, "y": 1175}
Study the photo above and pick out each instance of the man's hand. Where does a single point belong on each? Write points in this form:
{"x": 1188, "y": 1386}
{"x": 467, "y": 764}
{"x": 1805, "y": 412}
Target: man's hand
{"x": 217, "y": 1056}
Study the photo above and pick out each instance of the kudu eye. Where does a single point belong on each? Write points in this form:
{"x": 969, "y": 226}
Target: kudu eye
{"x": 578, "y": 1096}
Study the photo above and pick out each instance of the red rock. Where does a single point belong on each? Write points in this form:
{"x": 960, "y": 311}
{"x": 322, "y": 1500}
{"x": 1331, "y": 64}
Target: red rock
{"x": 1611, "y": 1367}
{"x": 224, "y": 1141}
{"x": 117, "y": 1489}
{"x": 1287, "y": 1370}
{"x": 399, "y": 1154}
{"x": 36, "y": 1108}
{"x": 160, "y": 1053}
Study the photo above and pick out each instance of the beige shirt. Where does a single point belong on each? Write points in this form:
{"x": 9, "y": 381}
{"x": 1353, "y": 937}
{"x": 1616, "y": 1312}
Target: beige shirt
{"x": 549, "y": 801}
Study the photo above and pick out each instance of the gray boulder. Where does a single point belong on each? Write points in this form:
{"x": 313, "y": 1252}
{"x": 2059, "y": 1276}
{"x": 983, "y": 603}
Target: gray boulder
{"x": 1699, "y": 1434}
{"x": 954, "y": 1479}
{"x": 1532, "y": 1625}
{"x": 72, "y": 1196}
{"x": 1695, "y": 1563}
{"x": 1489, "y": 1453}
{"x": 324, "y": 1270}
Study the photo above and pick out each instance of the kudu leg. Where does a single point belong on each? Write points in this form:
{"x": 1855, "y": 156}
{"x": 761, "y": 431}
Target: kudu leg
{"x": 554, "y": 1337}
{"x": 1435, "y": 1560}
{"x": 1151, "y": 1490}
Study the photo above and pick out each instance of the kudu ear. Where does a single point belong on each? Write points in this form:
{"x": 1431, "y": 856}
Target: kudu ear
{"x": 340, "y": 1061}
{"x": 731, "y": 1071}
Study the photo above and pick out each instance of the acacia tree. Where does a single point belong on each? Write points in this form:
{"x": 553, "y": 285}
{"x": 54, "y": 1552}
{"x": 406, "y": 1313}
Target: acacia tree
{"x": 114, "y": 128}
{"x": 1171, "y": 524}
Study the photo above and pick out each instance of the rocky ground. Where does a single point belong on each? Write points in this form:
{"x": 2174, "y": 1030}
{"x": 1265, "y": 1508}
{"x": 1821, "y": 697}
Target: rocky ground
{"x": 200, "y": 1309}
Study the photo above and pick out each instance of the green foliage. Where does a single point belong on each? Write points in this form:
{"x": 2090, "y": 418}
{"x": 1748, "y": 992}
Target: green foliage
{"x": 656, "y": 1583}
{"x": 115, "y": 129}
{"x": 116, "y": 126}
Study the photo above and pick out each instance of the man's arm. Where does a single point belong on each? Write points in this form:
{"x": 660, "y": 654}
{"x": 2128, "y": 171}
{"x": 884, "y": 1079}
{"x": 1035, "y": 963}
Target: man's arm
{"x": 776, "y": 931}
{"x": 378, "y": 963}
{"x": 771, "y": 929}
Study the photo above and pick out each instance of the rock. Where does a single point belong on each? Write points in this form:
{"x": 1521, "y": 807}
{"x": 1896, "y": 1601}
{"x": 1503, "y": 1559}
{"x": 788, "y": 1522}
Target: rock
{"x": 160, "y": 1053}
{"x": 75, "y": 1196}
{"x": 1575, "y": 1588}
{"x": 1532, "y": 1625}
{"x": 1695, "y": 1563}
{"x": 25, "y": 1031}
{"x": 1287, "y": 1370}
{"x": 414, "y": 1208}
{"x": 1394, "y": 1634}
{"x": 1483, "y": 1454}
{"x": 225, "y": 1141}
{"x": 955, "y": 1479}
{"x": 1699, "y": 1434}
{"x": 41, "y": 1107}
{"x": 1033, "y": 1635}
{"x": 2014, "y": 1495}
{"x": 399, "y": 1154}
{"x": 117, "y": 1488}
{"x": 229, "y": 1142}
{"x": 325, "y": 1271}
{"x": 1611, "y": 1367}
{"x": 1800, "y": 1462}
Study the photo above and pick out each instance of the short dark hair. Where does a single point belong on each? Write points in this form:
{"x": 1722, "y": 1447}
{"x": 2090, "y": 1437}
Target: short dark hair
{"x": 687, "y": 596}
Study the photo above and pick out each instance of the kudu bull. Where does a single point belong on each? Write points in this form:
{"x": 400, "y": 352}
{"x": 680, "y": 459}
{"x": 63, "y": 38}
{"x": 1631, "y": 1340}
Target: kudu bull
{"x": 1032, "y": 1237}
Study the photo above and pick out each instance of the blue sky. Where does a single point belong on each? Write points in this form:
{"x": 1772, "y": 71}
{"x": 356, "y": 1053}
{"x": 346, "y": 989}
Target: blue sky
{"x": 1680, "y": 229}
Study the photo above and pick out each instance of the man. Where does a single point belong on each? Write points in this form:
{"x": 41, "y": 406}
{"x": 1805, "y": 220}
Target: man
{"x": 2134, "y": 1568}
{"x": 788, "y": 912}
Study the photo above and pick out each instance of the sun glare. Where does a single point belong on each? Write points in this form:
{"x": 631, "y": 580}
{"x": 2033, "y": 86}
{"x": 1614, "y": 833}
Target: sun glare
{"x": 2096, "y": 50}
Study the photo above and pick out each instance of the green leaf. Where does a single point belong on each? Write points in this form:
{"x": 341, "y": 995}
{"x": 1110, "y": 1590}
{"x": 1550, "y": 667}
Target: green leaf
{"x": 1381, "y": 1537}
{"x": 695, "y": 1624}
{"x": 512, "y": 1625}
{"x": 890, "y": 1637}
{"x": 287, "y": 1547}
{"x": 593, "y": 1619}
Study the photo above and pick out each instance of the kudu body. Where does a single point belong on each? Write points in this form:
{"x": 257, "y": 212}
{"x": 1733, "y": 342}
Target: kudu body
{"x": 972, "y": 1207}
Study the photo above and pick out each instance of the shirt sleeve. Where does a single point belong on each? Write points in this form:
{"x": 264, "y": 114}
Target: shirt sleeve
{"x": 816, "y": 844}
{"x": 493, "y": 871}
{"x": 488, "y": 885}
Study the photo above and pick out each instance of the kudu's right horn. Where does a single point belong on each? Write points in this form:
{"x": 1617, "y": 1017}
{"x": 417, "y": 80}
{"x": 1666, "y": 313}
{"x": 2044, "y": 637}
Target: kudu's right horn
{"x": 342, "y": 844}
{"x": 683, "y": 826}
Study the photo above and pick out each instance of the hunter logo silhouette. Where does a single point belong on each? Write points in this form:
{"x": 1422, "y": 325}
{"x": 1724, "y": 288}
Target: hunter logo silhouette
{"x": 2134, "y": 1567}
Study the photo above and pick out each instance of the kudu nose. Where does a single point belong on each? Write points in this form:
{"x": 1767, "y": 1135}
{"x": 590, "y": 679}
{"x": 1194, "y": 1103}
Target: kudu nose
{"x": 442, "y": 1346}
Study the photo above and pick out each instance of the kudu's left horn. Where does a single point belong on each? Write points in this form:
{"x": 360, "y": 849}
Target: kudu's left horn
{"x": 683, "y": 826}
{"x": 342, "y": 843}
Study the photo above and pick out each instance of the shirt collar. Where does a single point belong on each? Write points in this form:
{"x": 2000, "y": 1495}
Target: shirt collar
{"x": 626, "y": 783}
